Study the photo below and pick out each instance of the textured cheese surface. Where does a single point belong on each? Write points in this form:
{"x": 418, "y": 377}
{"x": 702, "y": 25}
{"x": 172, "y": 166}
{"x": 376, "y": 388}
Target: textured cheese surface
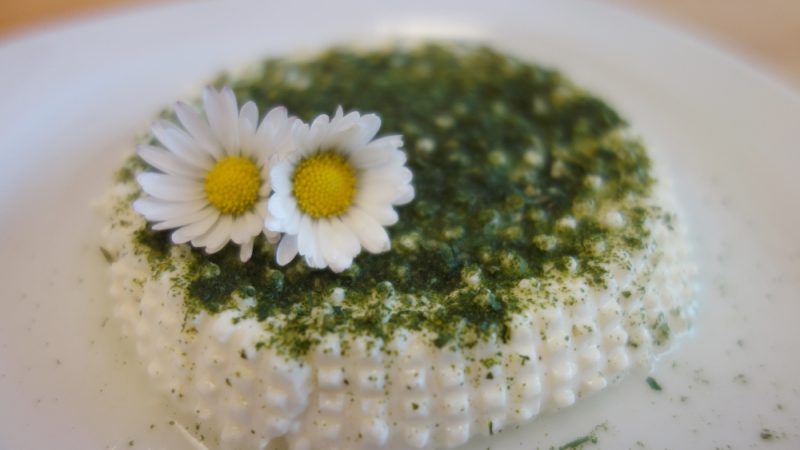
{"x": 406, "y": 393}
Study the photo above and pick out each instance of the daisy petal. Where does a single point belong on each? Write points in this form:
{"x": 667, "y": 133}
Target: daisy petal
{"x": 343, "y": 131}
{"x": 289, "y": 220}
{"x": 399, "y": 157}
{"x": 246, "y": 250}
{"x": 368, "y": 158}
{"x": 305, "y": 239}
{"x": 388, "y": 175}
{"x": 223, "y": 116}
{"x": 167, "y": 162}
{"x": 187, "y": 219}
{"x": 195, "y": 230}
{"x": 261, "y": 208}
{"x": 181, "y": 144}
{"x": 273, "y": 123}
{"x": 329, "y": 245}
{"x": 339, "y": 264}
{"x": 284, "y": 143}
{"x": 217, "y": 236}
{"x": 345, "y": 241}
{"x": 315, "y": 257}
{"x": 377, "y": 193}
{"x": 155, "y": 210}
{"x": 248, "y": 121}
{"x": 238, "y": 233}
{"x": 166, "y": 187}
{"x": 382, "y": 213}
{"x": 292, "y": 221}
{"x": 385, "y": 193}
{"x": 219, "y": 246}
{"x": 287, "y": 250}
{"x": 254, "y": 223}
{"x": 279, "y": 177}
{"x": 368, "y": 127}
{"x": 301, "y": 136}
{"x": 281, "y": 206}
{"x": 249, "y": 113}
{"x": 370, "y": 233}
{"x": 198, "y": 127}
{"x": 247, "y": 226}
{"x": 317, "y": 133}
{"x": 339, "y": 114}
{"x": 393, "y": 142}
{"x": 405, "y": 195}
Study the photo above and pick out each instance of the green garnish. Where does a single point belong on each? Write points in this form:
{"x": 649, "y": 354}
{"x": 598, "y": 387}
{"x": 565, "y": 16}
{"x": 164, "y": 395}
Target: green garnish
{"x": 653, "y": 384}
{"x": 500, "y": 150}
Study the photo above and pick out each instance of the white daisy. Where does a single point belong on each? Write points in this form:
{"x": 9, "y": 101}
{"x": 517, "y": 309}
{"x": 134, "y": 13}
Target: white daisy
{"x": 335, "y": 193}
{"x": 213, "y": 183}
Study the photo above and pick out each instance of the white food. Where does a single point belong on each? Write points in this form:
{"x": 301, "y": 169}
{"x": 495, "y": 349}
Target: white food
{"x": 415, "y": 395}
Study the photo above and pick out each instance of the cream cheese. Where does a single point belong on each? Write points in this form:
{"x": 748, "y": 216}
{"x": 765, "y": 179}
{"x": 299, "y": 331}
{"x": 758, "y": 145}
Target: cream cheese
{"x": 539, "y": 263}
{"x": 408, "y": 394}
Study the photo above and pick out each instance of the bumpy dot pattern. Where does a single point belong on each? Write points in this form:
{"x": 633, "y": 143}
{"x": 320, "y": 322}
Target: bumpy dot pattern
{"x": 355, "y": 393}
{"x": 324, "y": 184}
{"x": 232, "y": 185}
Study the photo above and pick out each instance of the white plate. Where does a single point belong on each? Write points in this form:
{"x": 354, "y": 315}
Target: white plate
{"x": 74, "y": 97}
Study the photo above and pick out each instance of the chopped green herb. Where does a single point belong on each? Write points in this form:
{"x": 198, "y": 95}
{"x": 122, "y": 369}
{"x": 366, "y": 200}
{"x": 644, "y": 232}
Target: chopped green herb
{"x": 106, "y": 255}
{"x": 500, "y": 150}
{"x": 579, "y": 443}
{"x": 653, "y": 384}
{"x": 661, "y": 330}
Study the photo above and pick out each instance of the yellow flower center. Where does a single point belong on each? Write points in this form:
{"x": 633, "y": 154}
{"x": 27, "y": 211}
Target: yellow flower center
{"x": 232, "y": 185}
{"x": 324, "y": 184}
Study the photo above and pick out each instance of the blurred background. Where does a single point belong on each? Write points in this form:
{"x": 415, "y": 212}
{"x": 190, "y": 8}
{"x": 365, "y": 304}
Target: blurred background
{"x": 766, "y": 32}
